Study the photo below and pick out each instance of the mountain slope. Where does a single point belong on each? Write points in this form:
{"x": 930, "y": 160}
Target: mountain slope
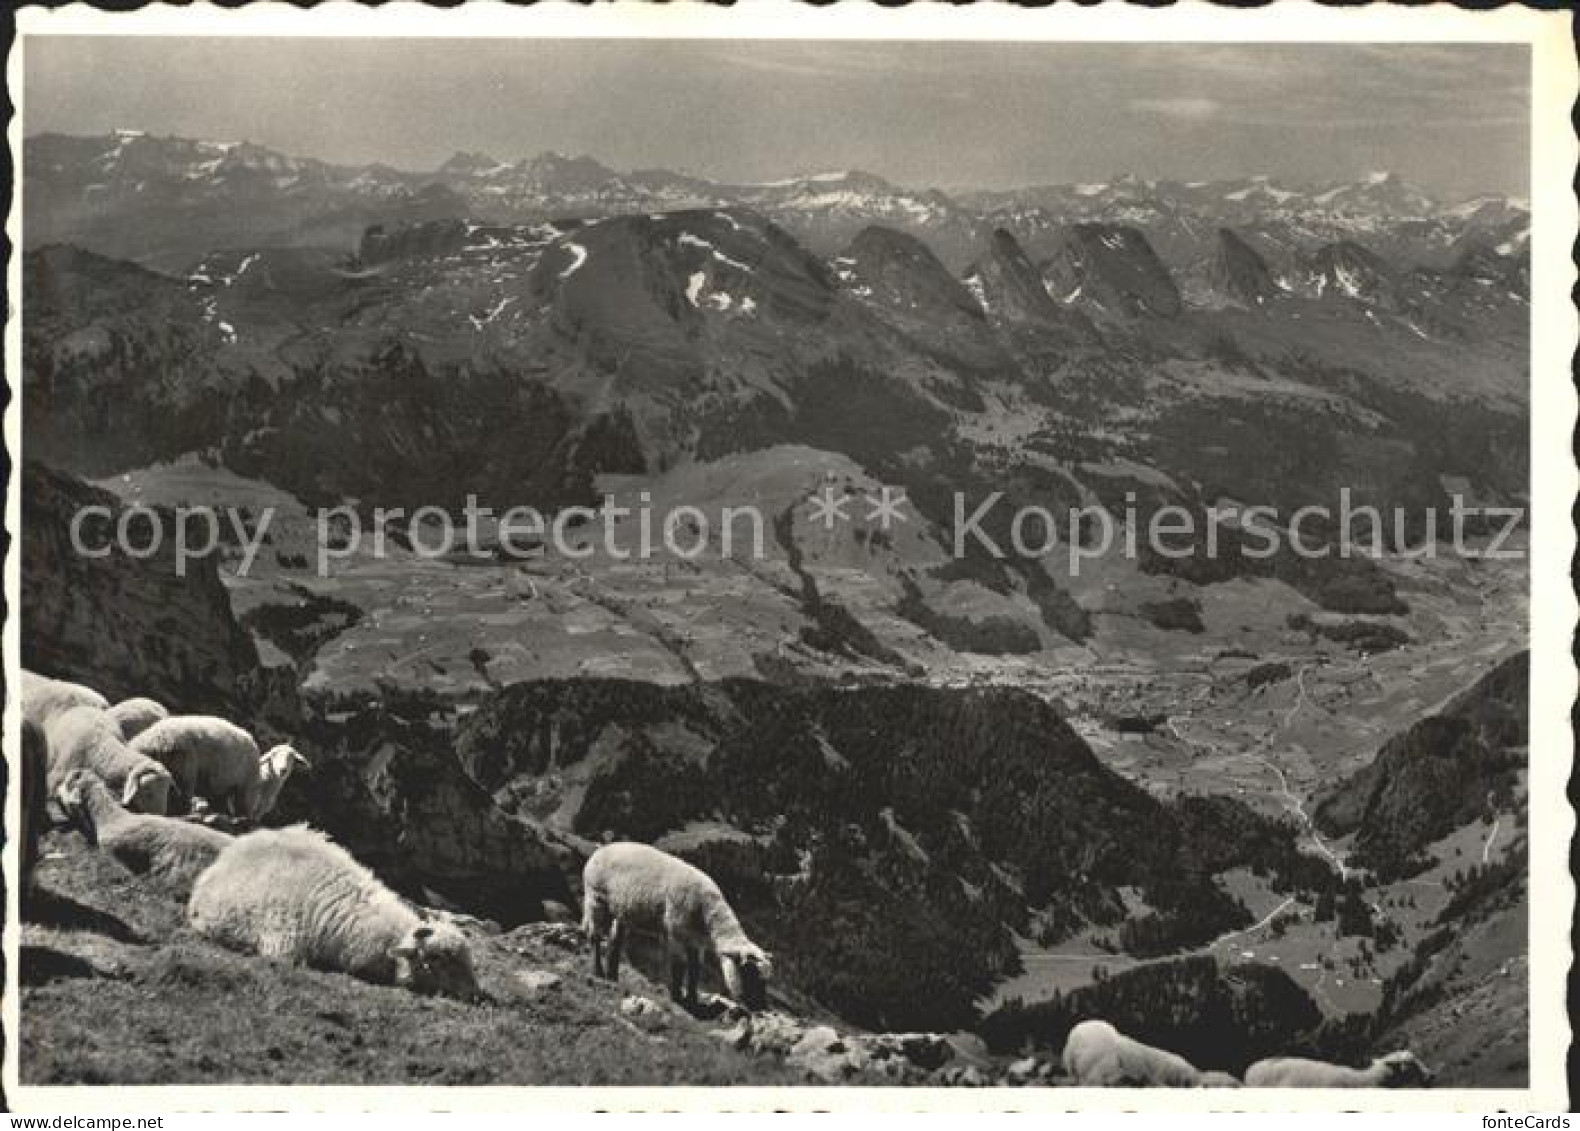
{"x": 116, "y": 989}
{"x": 1442, "y": 773}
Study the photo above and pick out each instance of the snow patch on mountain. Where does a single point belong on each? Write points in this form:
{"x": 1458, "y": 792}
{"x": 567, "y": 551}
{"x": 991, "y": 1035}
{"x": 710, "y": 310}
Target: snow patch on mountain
{"x": 498, "y": 309}
{"x": 697, "y": 241}
{"x": 973, "y": 283}
{"x": 580, "y": 253}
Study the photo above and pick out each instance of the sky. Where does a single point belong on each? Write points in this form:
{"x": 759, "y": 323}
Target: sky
{"x": 1452, "y": 119}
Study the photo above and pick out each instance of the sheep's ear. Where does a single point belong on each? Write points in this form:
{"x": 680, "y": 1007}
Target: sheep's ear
{"x": 296, "y": 756}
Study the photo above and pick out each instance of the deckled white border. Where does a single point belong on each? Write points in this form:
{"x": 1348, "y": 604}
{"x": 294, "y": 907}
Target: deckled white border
{"x": 1554, "y": 487}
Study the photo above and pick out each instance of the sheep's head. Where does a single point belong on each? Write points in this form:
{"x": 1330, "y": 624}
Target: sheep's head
{"x": 1405, "y": 1071}
{"x": 72, "y": 796}
{"x": 282, "y": 759}
{"x": 274, "y": 767}
{"x": 435, "y": 958}
{"x": 747, "y": 969}
{"x": 147, "y": 789}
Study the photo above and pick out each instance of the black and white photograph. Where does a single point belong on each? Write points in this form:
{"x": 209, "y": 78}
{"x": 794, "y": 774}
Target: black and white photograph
{"x": 610, "y": 553}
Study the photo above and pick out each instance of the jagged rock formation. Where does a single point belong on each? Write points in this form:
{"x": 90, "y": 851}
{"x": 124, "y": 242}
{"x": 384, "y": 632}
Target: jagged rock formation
{"x": 1346, "y": 270}
{"x": 1111, "y": 269}
{"x": 1007, "y": 286}
{"x": 1239, "y": 273}
{"x": 908, "y": 287}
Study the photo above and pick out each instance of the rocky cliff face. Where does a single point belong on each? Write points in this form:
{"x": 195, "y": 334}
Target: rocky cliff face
{"x": 386, "y": 784}
{"x": 123, "y": 626}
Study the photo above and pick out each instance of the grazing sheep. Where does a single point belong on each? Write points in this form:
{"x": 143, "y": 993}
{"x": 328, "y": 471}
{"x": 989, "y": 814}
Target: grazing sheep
{"x": 165, "y": 847}
{"x": 293, "y": 895}
{"x": 208, "y": 757}
{"x": 1396, "y": 1070}
{"x": 134, "y": 716}
{"x": 44, "y": 698}
{"x": 86, "y": 738}
{"x": 1218, "y": 1080}
{"x": 630, "y": 887}
{"x": 274, "y": 768}
{"x": 1097, "y": 1055}
{"x": 35, "y": 795}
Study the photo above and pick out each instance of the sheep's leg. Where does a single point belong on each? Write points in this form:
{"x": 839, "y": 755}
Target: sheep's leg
{"x": 693, "y": 972}
{"x": 596, "y": 923}
{"x": 677, "y": 972}
{"x": 616, "y": 938}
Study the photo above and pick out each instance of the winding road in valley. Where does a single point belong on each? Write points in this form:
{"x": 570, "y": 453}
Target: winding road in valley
{"x": 1293, "y": 801}
{"x": 1254, "y": 927}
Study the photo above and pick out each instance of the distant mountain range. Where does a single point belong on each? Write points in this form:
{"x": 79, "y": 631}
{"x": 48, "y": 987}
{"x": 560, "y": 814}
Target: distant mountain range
{"x": 164, "y": 200}
{"x": 517, "y": 331}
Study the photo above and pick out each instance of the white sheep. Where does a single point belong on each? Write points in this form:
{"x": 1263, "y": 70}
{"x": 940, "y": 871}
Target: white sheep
{"x": 1218, "y": 1080}
{"x": 86, "y": 738}
{"x": 293, "y": 895}
{"x": 134, "y": 716}
{"x": 43, "y": 698}
{"x": 1399, "y": 1069}
{"x": 35, "y": 796}
{"x": 274, "y": 769}
{"x": 635, "y": 887}
{"x": 1097, "y": 1055}
{"x": 208, "y": 757}
{"x": 142, "y": 843}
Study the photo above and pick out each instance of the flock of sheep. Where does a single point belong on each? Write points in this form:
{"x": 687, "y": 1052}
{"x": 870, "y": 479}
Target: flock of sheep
{"x": 292, "y": 895}
{"x": 1097, "y": 1055}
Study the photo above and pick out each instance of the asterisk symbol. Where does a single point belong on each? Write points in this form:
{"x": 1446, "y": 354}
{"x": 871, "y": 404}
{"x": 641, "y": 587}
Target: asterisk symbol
{"x": 887, "y": 510}
{"x": 828, "y": 507}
